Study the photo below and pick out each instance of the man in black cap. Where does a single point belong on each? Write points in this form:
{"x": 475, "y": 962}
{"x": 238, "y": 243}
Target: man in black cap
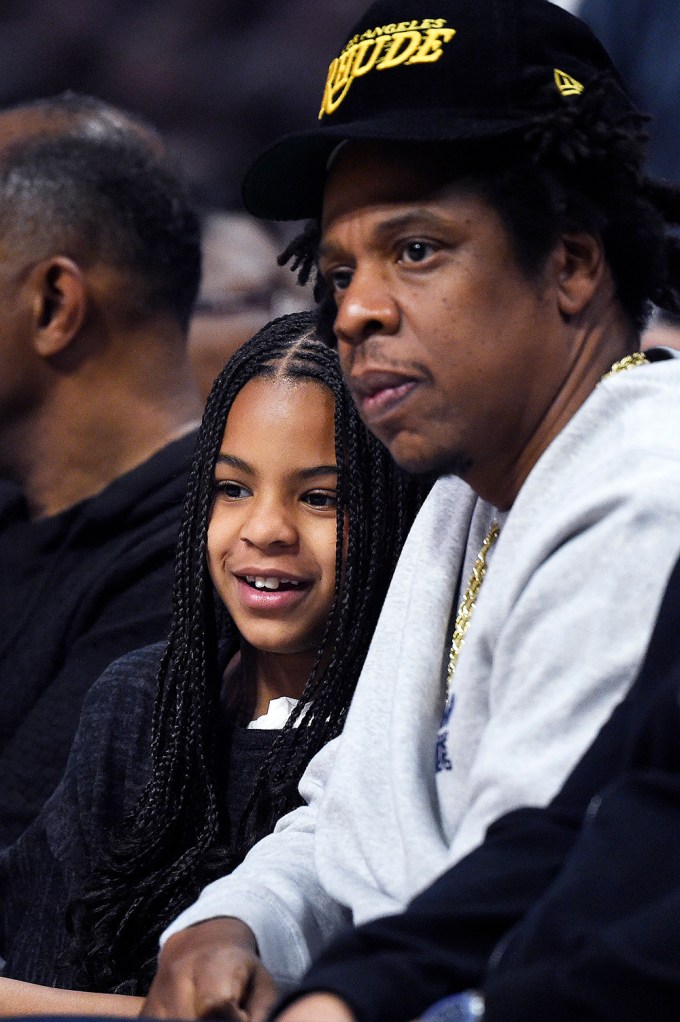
{"x": 486, "y": 248}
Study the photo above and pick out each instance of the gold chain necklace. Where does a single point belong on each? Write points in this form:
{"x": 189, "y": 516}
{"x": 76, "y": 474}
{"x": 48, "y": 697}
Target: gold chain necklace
{"x": 638, "y": 358}
{"x": 467, "y": 604}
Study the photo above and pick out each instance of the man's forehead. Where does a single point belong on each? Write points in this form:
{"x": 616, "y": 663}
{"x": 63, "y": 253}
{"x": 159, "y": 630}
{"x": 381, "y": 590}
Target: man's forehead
{"x": 25, "y": 123}
{"x": 18, "y": 125}
{"x": 380, "y": 173}
{"x": 22, "y": 125}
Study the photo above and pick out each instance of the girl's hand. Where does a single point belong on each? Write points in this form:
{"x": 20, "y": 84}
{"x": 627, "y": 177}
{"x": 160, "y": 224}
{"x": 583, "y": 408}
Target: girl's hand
{"x": 317, "y": 1008}
{"x": 19, "y": 998}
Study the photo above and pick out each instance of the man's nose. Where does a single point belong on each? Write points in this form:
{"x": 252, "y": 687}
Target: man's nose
{"x": 365, "y": 307}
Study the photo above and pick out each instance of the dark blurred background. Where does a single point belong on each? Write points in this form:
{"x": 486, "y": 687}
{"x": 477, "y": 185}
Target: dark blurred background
{"x": 214, "y": 75}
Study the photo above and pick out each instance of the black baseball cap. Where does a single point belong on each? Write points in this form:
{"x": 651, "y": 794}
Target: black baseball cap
{"x": 432, "y": 70}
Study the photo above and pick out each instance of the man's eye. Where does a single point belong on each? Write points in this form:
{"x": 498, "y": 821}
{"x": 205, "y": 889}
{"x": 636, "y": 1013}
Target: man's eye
{"x": 339, "y": 279}
{"x": 231, "y": 491}
{"x": 416, "y": 251}
{"x": 321, "y": 498}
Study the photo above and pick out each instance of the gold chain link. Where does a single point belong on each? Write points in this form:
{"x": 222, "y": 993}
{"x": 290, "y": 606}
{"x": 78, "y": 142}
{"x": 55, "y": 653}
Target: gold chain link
{"x": 467, "y": 604}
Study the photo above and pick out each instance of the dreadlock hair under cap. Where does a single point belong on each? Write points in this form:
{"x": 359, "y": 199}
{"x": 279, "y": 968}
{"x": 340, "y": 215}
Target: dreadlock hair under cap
{"x": 177, "y": 838}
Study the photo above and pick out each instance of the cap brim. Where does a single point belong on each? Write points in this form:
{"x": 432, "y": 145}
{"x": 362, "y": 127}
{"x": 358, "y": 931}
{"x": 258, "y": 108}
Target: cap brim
{"x": 287, "y": 181}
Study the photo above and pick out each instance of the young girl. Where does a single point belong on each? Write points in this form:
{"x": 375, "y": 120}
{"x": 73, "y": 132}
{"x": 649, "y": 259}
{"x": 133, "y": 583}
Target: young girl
{"x": 292, "y": 526}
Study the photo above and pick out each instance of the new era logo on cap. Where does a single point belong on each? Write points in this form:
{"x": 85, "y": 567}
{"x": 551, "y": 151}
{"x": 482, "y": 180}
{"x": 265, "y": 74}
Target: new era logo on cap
{"x": 567, "y": 85}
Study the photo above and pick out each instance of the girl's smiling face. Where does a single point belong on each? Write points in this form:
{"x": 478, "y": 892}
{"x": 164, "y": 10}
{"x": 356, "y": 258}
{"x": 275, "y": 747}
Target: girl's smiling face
{"x": 272, "y": 531}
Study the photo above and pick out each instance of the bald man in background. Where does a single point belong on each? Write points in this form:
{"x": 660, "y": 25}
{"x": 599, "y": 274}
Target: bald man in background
{"x": 99, "y": 269}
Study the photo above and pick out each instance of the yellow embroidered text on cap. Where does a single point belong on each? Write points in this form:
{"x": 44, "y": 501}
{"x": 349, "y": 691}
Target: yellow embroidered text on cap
{"x": 408, "y": 42}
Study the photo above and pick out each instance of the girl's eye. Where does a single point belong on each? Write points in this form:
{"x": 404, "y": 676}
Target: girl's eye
{"x": 416, "y": 251}
{"x": 321, "y": 498}
{"x": 230, "y": 490}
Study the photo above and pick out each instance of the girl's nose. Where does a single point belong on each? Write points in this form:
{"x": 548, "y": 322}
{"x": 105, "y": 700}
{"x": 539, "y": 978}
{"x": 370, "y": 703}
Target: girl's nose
{"x": 269, "y": 523}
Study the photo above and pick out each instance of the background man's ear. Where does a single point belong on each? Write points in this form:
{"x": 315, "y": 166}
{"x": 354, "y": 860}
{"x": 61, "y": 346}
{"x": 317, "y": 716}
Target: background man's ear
{"x": 60, "y": 304}
{"x": 581, "y": 269}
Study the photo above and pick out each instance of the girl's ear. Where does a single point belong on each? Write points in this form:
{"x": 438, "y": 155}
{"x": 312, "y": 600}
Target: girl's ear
{"x": 59, "y": 304}
{"x": 580, "y": 268}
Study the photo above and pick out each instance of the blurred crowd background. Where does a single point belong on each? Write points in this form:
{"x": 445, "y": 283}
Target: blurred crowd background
{"x": 213, "y": 75}
{"x": 222, "y": 78}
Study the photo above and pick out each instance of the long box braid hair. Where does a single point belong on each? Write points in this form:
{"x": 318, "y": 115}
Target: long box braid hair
{"x": 177, "y": 837}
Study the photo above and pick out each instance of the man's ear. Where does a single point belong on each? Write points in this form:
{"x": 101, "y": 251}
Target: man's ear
{"x": 59, "y": 304}
{"x": 581, "y": 268}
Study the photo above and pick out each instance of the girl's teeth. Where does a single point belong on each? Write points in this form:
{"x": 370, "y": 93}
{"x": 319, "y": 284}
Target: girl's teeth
{"x": 268, "y": 583}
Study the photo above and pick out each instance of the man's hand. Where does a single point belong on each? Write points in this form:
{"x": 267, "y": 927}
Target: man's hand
{"x": 317, "y": 1008}
{"x": 211, "y": 970}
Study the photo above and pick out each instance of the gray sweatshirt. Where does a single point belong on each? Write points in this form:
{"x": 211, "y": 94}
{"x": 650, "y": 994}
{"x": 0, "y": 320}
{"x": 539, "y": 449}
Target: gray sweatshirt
{"x": 557, "y": 635}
